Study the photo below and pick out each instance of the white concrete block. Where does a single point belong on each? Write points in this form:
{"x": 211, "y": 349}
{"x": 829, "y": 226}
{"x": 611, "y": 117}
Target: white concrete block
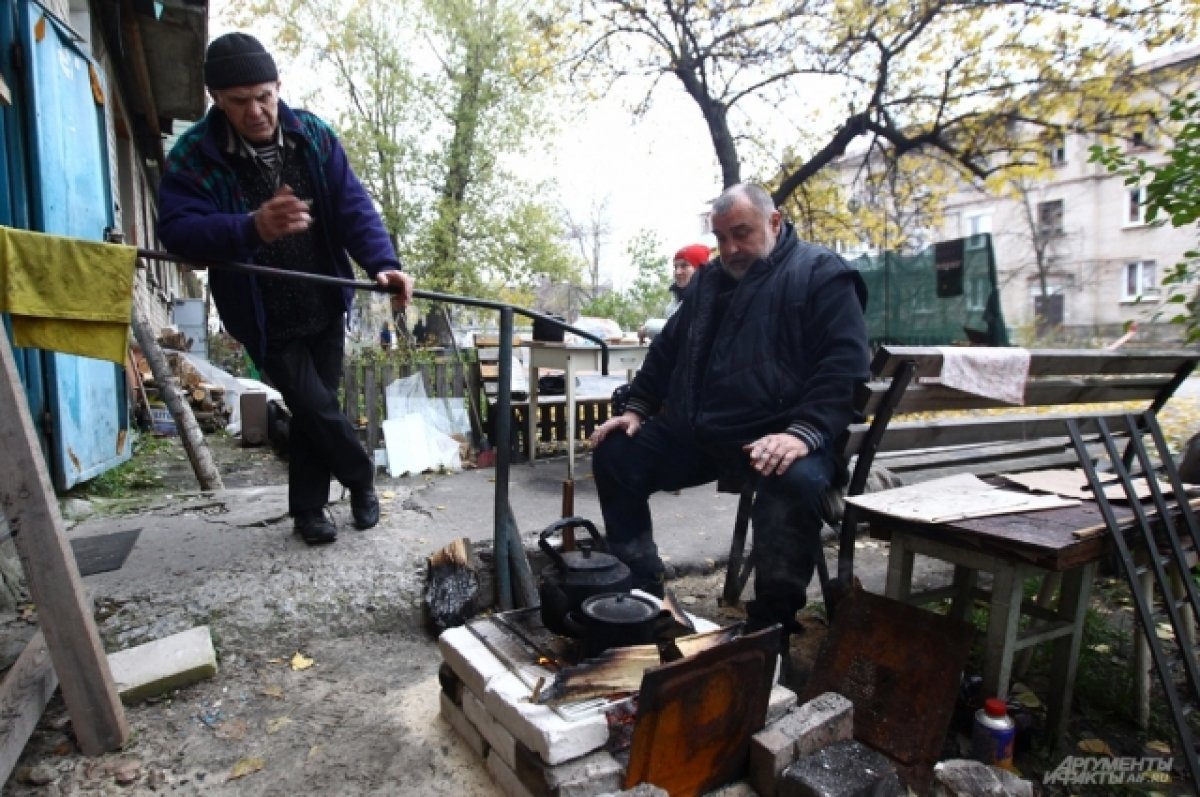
{"x": 470, "y": 659}
{"x": 590, "y": 775}
{"x": 820, "y": 722}
{"x": 499, "y": 739}
{"x": 537, "y": 727}
{"x": 459, "y": 722}
{"x": 825, "y": 719}
{"x": 157, "y": 667}
{"x": 781, "y": 701}
{"x": 505, "y": 778}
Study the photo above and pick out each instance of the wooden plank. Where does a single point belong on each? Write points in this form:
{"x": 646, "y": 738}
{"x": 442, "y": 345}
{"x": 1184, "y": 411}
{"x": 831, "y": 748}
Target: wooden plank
{"x": 24, "y": 692}
{"x": 64, "y": 610}
{"x": 953, "y": 431}
{"x": 350, "y": 393}
{"x": 1047, "y": 362}
{"x": 1056, "y": 392}
{"x": 371, "y": 405}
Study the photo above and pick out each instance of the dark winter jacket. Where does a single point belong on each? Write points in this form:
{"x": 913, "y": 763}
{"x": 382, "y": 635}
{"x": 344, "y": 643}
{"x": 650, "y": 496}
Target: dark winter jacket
{"x": 203, "y": 214}
{"x": 790, "y": 351}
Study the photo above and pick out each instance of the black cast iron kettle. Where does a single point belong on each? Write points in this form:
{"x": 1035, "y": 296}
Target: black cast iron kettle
{"x": 574, "y": 576}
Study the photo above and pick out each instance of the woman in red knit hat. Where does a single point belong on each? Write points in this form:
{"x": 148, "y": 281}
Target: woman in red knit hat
{"x": 685, "y": 263}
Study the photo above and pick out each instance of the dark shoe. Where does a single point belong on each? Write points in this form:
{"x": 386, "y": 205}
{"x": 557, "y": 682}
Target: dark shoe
{"x": 364, "y": 505}
{"x": 314, "y": 527}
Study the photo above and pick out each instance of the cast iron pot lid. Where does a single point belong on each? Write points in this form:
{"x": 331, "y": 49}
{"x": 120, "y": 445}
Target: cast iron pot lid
{"x": 587, "y": 559}
{"x": 619, "y": 607}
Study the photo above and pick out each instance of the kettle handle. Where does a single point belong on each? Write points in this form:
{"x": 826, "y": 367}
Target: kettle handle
{"x": 559, "y": 525}
{"x": 575, "y": 625}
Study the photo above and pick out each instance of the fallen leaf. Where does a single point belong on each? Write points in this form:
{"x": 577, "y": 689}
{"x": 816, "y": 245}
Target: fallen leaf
{"x": 273, "y": 691}
{"x": 1029, "y": 700}
{"x": 275, "y": 661}
{"x": 246, "y": 766}
{"x": 1162, "y": 748}
{"x": 127, "y": 771}
{"x": 234, "y": 729}
{"x": 1101, "y": 648}
{"x": 301, "y": 662}
{"x": 1096, "y": 746}
{"x": 1164, "y": 631}
{"x": 277, "y": 724}
{"x": 690, "y": 600}
{"x": 440, "y": 506}
{"x": 388, "y": 495}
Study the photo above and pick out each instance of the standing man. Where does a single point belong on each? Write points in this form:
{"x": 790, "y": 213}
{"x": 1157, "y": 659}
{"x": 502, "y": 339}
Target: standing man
{"x": 757, "y": 369}
{"x": 255, "y": 181}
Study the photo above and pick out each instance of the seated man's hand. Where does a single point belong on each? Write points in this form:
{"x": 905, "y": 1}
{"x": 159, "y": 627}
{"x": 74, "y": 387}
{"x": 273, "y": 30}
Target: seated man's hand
{"x": 630, "y": 422}
{"x": 775, "y": 453}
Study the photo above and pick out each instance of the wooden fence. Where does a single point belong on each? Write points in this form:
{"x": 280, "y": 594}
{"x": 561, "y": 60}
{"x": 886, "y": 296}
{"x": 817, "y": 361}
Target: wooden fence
{"x": 364, "y": 384}
{"x": 364, "y": 402}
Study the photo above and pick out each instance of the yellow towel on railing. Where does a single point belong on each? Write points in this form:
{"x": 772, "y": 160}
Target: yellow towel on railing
{"x": 66, "y": 294}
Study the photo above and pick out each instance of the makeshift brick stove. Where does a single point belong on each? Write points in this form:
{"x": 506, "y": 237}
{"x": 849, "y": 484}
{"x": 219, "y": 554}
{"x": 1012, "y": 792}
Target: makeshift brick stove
{"x": 496, "y": 667}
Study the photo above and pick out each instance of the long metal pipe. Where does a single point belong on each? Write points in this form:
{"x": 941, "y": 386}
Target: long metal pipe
{"x": 375, "y": 287}
{"x": 501, "y": 510}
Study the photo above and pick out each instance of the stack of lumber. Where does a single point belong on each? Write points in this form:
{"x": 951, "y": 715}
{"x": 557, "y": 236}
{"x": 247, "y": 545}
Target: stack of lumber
{"x": 208, "y": 401}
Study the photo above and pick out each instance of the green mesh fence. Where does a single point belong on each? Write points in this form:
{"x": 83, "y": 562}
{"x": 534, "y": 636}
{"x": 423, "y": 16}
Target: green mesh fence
{"x": 945, "y": 295}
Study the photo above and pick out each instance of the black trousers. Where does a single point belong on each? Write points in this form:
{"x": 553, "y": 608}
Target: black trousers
{"x": 786, "y": 515}
{"x": 321, "y": 440}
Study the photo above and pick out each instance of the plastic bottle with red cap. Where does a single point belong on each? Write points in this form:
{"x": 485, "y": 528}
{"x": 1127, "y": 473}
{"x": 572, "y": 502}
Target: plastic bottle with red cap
{"x": 994, "y": 733}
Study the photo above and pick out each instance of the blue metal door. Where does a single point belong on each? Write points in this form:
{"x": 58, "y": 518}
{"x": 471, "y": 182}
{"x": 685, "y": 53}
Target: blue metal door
{"x": 87, "y": 399}
{"x": 14, "y": 204}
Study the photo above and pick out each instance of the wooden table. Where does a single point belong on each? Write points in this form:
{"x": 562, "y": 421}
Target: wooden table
{"x": 1012, "y": 548}
{"x": 573, "y": 360}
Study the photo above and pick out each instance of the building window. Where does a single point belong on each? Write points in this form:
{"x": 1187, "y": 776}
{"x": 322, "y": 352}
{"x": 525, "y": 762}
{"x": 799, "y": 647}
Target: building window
{"x": 974, "y": 227}
{"x": 1135, "y": 205}
{"x": 1056, "y": 151}
{"x": 1050, "y": 217}
{"x": 1140, "y": 282}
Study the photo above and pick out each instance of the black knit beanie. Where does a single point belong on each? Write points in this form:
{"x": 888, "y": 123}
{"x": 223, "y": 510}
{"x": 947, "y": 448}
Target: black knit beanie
{"x": 237, "y": 59}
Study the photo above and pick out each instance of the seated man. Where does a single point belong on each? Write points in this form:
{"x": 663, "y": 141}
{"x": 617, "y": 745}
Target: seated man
{"x": 759, "y": 367}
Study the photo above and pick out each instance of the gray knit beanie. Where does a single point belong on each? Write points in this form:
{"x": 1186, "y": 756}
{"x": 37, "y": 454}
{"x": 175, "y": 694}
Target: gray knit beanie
{"x": 237, "y": 59}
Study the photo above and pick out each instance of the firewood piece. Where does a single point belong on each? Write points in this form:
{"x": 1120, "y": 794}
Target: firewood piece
{"x": 706, "y": 640}
{"x": 452, "y": 582}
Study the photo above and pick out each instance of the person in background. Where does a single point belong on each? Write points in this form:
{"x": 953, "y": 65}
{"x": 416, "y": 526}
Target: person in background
{"x": 755, "y": 373}
{"x": 256, "y": 181}
{"x": 684, "y": 265}
{"x": 386, "y": 339}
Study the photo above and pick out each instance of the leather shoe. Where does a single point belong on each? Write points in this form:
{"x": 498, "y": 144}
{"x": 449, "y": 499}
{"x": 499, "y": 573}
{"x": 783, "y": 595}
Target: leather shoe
{"x": 314, "y": 527}
{"x": 364, "y": 506}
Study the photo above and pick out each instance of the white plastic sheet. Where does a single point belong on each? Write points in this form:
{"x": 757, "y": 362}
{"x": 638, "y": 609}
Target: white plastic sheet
{"x": 418, "y": 429}
{"x": 413, "y": 446}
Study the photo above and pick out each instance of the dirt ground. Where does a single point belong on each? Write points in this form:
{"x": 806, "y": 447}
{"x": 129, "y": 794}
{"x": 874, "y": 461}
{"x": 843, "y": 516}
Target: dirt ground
{"x": 362, "y": 718}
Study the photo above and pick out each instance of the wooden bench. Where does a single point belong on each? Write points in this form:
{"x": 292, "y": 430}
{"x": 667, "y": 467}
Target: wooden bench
{"x": 1062, "y": 384}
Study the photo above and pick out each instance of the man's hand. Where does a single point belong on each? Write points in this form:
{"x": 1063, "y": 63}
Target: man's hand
{"x": 402, "y": 285}
{"x": 631, "y": 422}
{"x": 283, "y": 214}
{"x": 775, "y": 453}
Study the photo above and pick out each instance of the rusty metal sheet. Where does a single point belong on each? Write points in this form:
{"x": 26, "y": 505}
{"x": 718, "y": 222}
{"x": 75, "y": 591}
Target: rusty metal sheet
{"x": 900, "y": 666}
{"x": 696, "y": 716}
